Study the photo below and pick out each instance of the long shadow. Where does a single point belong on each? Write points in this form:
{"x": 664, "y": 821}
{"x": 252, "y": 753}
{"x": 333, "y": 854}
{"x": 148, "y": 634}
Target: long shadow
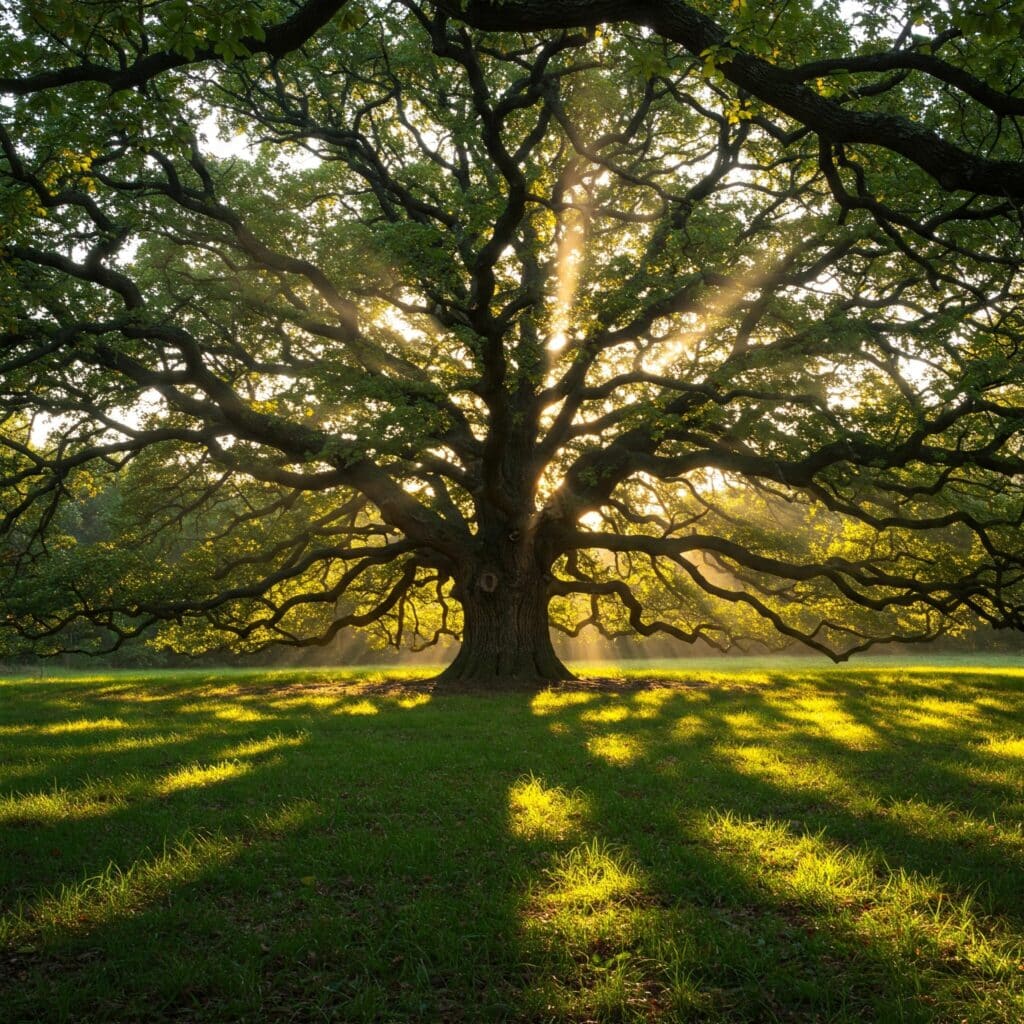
{"x": 358, "y": 885}
{"x": 795, "y": 940}
{"x": 375, "y": 870}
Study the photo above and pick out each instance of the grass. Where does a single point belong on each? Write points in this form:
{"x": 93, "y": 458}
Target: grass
{"x": 788, "y": 844}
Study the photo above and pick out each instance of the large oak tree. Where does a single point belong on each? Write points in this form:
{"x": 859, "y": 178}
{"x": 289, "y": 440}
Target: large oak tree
{"x": 492, "y": 316}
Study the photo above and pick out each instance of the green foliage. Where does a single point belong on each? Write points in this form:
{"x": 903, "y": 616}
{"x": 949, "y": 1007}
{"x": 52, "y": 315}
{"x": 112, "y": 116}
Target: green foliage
{"x": 315, "y": 339}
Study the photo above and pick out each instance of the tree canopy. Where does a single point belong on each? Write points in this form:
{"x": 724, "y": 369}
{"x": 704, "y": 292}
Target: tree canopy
{"x": 472, "y": 319}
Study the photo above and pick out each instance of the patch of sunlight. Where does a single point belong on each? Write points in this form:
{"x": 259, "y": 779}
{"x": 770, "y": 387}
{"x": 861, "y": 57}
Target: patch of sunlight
{"x": 809, "y": 868}
{"x": 619, "y": 961}
{"x": 688, "y": 727}
{"x": 195, "y": 775}
{"x": 1009, "y": 747}
{"x": 358, "y": 707}
{"x": 853, "y": 735}
{"x": 747, "y": 725}
{"x": 133, "y": 742}
{"x": 16, "y": 730}
{"x": 92, "y": 800}
{"x": 813, "y": 704}
{"x": 223, "y": 710}
{"x": 287, "y": 818}
{"x": 549, "y": 701}
{"x": 117, "y": 892}
{"x": 538, "y": 811}
{"x": 917, "y": 716}
{"x": 899, "y": 913}
{"x": 753, "y": 678}
{"x": 749, "y": 756}
{"x": 585, "y": 667}
{"x": 320, "y": 702}
{"x": 699, "y": 696}
{"x": 617, "y": 748}
{"x": 84, "y": 725}
{"x": 592, "y": 877}
{"x": 649, "y": 703}
{"x": 141, "y": 696}
{"x": 968, "y": 668}
{"x": 239, "y": 713}
{"x": 611, "y": 713}
{"x": 368, "y": 680}
{"x": 413, "y": 700}
{"x": 823, "y": 716}
{"x": 958, "y": 709}
{"x": 50, "y": 753}
{"x": 991, "y": 704}
{"x": 251, "y": 748}
{"x": 56, "y": 679}
{"x": 34, "y": 766}
{"x": 715, "y": 678}
{"x": 914, "y": 913}
{"x": 944, "y": 821}
{"x": 796, "y": 775}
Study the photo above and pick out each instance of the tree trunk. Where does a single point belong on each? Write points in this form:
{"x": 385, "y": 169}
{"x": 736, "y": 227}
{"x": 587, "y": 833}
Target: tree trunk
{"x": 506, "y": 643}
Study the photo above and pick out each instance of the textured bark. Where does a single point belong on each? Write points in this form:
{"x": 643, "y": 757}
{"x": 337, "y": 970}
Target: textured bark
{"x": 506, "y": 641}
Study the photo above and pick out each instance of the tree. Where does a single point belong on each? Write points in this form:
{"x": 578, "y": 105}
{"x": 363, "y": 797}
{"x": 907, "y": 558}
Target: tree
{"x": 502, "y": 316}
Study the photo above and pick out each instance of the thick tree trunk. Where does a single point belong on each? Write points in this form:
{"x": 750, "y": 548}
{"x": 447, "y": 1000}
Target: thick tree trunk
{"x": 506, "y": 642}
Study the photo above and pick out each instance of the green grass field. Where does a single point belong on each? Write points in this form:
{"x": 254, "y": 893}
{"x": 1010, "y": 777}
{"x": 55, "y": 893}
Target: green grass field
{"x": 784, "y": 844}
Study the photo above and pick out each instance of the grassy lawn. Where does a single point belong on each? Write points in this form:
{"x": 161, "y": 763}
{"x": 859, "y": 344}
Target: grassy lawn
{"x": 776, "y": 845}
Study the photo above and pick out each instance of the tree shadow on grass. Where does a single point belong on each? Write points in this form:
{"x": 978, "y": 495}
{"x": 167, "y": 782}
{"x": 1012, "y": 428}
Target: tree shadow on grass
{"x": 354, "y": 869}
{"x": 95, "y": 774}
{"x": 803, "y": 892}
{"x": 712, "y": 853}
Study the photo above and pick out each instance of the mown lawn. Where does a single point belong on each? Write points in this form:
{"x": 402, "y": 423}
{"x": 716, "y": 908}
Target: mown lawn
{"x": 829, "y": 845}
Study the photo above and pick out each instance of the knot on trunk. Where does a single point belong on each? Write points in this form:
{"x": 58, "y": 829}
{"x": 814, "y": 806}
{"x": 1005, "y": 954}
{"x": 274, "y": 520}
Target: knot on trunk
{"x": 487, "y": 582}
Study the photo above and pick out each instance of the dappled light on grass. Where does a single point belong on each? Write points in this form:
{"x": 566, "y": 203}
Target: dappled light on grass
{"x": 824, "y": 716}
{"x": 545, "y": 812}
{"x": 253, "y": 748}
{"x": 588, "y": 914}
{"x": 85, "y": 725}
{"x": 413, "y": 700}
{"x": 591, "y": 879}
{"x": 357, "y": 707}
{"x": 291, "y": 816}
{"x": 116, "y": 892}
{"x": 547, "y": 702}
{"x": 93, "y": 799}
{"x": 195, "y": 775}
{"x": 814, "y": 909}
{"x": 688, "y": 728}
{"x": 802, "y": 867}
{"x": 936, "y": 821}
{"x": 617, "y": 748}
{"x": 1005, "y": 747}
{"x": 804, "y": 848}
{"x": 83, "y": 746}
{"x": 234, "y": 713}
{"x": 855, "y": 894}
{"x": 88, "y": 725}
{"x": 647, "y": 704}
{"x": 609, "y": 713}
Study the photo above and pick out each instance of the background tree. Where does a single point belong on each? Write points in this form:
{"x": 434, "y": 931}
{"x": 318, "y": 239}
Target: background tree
{"x": 675, "y": 325}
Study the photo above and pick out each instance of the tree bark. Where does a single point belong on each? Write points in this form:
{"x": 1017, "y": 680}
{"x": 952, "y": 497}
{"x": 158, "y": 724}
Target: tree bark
{"x": 506, "y": 641}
